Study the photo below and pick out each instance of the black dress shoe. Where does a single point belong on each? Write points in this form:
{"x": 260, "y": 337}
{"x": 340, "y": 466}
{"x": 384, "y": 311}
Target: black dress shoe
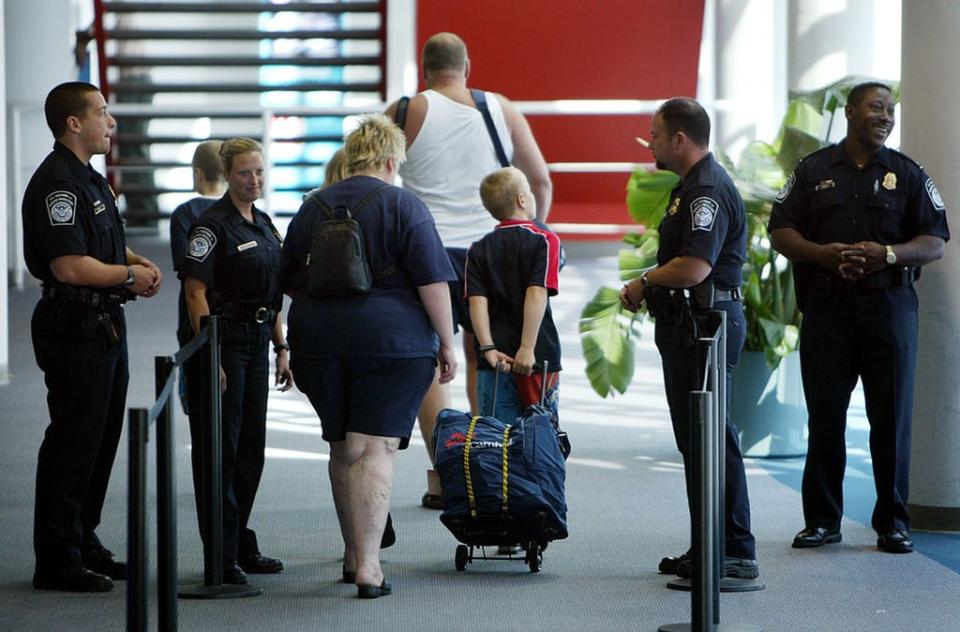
{"x": 669, "y": 565}
{"x": 233, "y": 574}
{"x": 74, "y": 577}
{"x": 389, "y": 537}
{"x": 895, "y": 541}
{"x": 736, "y": 567}
{"x": 812, "y": 537}
{"x": 368, "y": 591}
{"x": 259, "y": 565}
{"x": 101, "y": 561}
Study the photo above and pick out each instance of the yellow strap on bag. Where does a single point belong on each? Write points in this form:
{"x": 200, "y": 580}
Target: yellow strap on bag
{"x": 506, "y": 440}
{"x": 466, "y": 467}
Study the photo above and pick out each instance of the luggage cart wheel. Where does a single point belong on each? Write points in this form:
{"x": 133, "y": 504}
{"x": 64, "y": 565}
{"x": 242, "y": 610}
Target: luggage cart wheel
{"x": 534, "y": 557}
{"x": 461, "y": 557}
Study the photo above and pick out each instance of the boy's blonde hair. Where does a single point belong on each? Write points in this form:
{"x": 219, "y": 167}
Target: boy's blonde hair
{"x": 234, "y": 147}
{"x": 499, "y": 191}
{"x": 336, "y": 168}
{"x": 375, "y": 140}
{"x": 206, "y": 158}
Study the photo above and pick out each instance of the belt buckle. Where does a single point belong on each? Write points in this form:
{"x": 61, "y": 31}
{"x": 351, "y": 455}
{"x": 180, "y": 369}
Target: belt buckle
{"x": 261, "y": 315}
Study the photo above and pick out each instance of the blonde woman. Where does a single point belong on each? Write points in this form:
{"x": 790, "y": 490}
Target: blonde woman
{"x": 365, "y": 361}
{"x": 230, "y": 269}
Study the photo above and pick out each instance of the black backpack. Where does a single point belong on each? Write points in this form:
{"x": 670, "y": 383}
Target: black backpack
{"x": 337, "y": 264}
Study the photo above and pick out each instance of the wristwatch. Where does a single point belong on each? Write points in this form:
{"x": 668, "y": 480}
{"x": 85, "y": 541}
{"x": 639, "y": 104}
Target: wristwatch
{"x": 131, "y": 279}
{"x": 485, "y": 348}
{"x": 644, "y": 281}
{"x": 891, "y": 256}
{"x": 279, "y": 348}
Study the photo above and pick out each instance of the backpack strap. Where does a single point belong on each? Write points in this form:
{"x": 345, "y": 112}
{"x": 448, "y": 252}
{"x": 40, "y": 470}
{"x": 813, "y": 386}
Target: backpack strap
{"x": 400, "y": 116}
{"x": 481, "y": 100}
{"x": 366, "y": 198}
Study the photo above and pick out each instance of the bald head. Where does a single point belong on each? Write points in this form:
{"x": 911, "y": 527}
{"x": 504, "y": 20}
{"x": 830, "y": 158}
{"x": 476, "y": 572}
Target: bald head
{"x": 444, "y": 52}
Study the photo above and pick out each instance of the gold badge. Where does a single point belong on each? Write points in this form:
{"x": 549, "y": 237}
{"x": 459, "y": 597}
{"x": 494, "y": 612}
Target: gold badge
{"x": 674, "y": 207}
{"x": 890, "y": 181}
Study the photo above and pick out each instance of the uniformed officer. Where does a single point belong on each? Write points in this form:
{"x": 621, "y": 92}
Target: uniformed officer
{"x": 75, "y": 245}
{"x": 231, "y": 269}
{"x": 702, "y": 247}
{"x": 858, "y": 220}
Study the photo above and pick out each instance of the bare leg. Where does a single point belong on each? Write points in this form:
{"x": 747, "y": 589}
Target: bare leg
{"x": 369, "y": 481}
{"x": 338, "y": 468}
{"x": 471, "y": 357}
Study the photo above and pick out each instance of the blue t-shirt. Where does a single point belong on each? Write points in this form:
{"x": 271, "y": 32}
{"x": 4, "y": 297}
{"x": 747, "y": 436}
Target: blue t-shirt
{"x": 389, "y": 321}
{"x": 181, "y": 222}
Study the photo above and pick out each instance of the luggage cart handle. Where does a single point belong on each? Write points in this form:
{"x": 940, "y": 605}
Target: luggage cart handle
{"x": 496, "y": 383}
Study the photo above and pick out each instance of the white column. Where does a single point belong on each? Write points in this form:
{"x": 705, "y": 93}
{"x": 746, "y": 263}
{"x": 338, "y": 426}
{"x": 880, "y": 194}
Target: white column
{"x": 931, "y": 49}
{"x": 750, "y": 70}
{"x": 4, "y": 294}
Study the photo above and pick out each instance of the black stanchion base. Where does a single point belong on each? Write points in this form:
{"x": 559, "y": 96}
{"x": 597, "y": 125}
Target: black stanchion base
{"x": 223, "y": 591}
{"x": 727, "y": 585}
{"x": 720, "y": 627}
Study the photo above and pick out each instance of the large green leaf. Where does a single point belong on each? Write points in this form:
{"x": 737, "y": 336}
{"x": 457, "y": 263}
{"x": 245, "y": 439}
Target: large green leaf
{"x": 648, "y": 193}
{"x": 605, "y": 335}
{"x": 634, "y": 261}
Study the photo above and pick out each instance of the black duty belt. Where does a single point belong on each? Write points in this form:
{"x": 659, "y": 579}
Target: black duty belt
{"x": 258, "y": 314}
{"x": 719, "y": 296}
{"x": 87, "y": 296}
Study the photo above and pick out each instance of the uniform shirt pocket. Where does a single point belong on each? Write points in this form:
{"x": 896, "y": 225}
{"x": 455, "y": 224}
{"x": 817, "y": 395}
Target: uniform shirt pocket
{"x": 886, "y": 217}
{"x": 247, "y": 274}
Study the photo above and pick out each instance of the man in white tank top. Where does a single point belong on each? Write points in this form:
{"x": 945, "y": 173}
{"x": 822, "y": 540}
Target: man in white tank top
{"x": 449, "y": 151}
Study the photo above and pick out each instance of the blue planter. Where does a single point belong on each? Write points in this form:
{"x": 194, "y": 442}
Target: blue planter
{"x": 768, "y": 406}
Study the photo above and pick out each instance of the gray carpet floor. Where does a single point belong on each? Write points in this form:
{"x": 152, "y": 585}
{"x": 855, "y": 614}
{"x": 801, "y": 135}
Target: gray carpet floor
{"x": 626, "y": 510}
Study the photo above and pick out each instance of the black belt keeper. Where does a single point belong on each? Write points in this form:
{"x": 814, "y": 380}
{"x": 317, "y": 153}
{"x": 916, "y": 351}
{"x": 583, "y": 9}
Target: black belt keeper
{"x": 86, "y": 296}
{"x": 257, "y": 314}
{"x": 721, "y": 296}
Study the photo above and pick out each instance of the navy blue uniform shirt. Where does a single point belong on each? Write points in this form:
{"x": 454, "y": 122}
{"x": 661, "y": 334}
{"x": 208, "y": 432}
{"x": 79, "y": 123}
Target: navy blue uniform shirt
{"x": 706, "y": 218}
{"x": 182, "y": 220}
{"x": 828, "y": 199}
{"x": 239, "y": 261}
{"x": 501, "y": 266}
{"x": 389, "y": 320}
{"x": 69, "y": 209}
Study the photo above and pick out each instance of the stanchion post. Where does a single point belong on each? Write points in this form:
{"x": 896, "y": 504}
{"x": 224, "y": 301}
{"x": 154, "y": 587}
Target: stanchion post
{"x": 166, "y": 505}
{"x": 136, "y": 522}
{"x": 720, "y": 423}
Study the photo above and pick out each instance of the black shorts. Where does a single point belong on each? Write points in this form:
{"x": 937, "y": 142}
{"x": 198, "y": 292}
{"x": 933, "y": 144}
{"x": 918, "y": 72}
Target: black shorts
{"x": 374, "y": 396}
{"x": 458, "y": 290}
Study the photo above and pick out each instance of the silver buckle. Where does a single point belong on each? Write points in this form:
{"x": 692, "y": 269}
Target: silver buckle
{"x": 261, "y": 315}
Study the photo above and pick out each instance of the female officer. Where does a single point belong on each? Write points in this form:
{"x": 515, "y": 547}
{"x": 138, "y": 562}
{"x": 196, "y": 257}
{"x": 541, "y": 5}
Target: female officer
{"x": 365, "y": 360}
{"x": 231, "y": 269}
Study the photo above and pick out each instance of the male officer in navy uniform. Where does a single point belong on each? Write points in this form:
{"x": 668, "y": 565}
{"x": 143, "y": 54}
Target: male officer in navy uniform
{"x": 74, "y": 243}
{"x": 702, "y": 250}
{"x": 858, "y": 220}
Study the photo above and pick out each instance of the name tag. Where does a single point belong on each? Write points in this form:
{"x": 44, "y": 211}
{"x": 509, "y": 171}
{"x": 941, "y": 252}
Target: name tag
{"x": 99, "y": 207}
{"x": 825, "y": 184}
{"x": 246, "y": 246}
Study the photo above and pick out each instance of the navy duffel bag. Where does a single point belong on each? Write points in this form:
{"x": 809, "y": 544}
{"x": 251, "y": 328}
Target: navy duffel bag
{"x": 494, "y": 494}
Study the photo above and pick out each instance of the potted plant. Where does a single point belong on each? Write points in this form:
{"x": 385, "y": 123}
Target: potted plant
{"x": 767, "y": 401}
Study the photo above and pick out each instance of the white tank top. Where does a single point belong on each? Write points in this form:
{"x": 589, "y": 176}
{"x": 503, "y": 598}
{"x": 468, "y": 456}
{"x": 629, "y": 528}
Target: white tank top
{"x": 446, "y": 162}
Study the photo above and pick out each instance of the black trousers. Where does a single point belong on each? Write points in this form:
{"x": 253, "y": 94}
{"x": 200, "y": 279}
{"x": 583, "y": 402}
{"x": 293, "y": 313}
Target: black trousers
{"x": 244, "y": 358}
{"x": 872, "y": 337}
{"x": 683, "y": 372}
{"x": 86, "y": 373}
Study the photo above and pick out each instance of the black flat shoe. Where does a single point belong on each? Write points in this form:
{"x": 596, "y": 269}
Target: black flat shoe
{"x": 389, "y": 537}
{"x": 670, "y": 565}
{"x": 74, "y": 577}
{"x": 895, "y": 541}
{"x": 812, "y": 537}
{"x": 349, "y": 577}
{"x": 101, "y": 561}
{"x": 366, "y": 591}
{"x": 260, "y": 565}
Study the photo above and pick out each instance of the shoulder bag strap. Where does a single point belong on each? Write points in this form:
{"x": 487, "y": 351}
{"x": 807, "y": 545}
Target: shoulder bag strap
{"x": 481, "y": 100}
{"x": 400, "y": 116}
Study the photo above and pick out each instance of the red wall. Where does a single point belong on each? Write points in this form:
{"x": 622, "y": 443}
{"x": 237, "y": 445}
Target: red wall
{"x": 542, "y": 50}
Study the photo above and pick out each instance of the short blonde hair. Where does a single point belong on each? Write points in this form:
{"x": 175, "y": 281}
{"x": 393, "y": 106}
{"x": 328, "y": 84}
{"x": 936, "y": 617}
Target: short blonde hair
{"x": 375, "y": 140}
{"x": 232, "y": 148}
{"x": 499, "y": 191}
{"x": 336, "y": 169}
{"x": 206, "y": 158}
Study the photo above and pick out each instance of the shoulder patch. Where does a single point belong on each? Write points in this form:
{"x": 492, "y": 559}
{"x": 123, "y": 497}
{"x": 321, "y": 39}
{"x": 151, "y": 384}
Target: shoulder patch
{"x": 934, "y": 194}
{"x": 703, "y": 211}
{"x": 62, "y": 208}
{"x": 787, "y": 187}
{"x": 202, "y": 241}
